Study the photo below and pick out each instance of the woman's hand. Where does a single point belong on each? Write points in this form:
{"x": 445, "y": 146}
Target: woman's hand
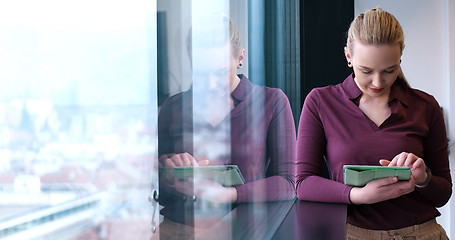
{"x": 380, "y": 190}
{"x": 404, "y": 159}
{"x": 199, "y": 188}
{"x": 180, "y": 160}
{"x": 169, "y": 161}
{"x": 388, "y": 188}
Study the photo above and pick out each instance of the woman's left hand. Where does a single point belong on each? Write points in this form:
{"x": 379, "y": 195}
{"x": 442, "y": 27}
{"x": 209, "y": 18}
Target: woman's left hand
{"x": 415, "y": 163}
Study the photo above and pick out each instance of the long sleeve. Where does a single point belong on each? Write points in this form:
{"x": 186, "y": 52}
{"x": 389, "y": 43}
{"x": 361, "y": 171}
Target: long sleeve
{"x": 279, "y": 180}
{"x": 439, "y": 190}
{"x": 311, "y": 145}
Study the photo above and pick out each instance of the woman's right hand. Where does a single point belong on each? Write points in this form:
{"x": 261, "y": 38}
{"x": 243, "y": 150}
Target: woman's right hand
{"x": 169, "y": 161}
{"x": 380, "y": 190}
{"x": 181, "y": 160}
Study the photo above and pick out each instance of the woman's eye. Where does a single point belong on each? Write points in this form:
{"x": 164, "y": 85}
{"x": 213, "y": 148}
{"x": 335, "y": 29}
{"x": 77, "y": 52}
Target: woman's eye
{"x": 390, "y": 71}
{"x": 366, "y": 72}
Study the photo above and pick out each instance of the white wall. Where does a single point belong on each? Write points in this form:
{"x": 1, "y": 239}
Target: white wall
{"x": 428, "y": 61}
{"x": 451, "y": 95}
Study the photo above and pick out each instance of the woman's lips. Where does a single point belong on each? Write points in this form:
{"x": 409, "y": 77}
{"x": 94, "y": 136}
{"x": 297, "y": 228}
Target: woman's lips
{"x": 376, "y": 90}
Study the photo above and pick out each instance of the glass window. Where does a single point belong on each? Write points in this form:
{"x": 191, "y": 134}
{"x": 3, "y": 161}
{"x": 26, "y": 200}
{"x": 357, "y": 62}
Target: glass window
{"x": 145, "y": 119}
{"x": 216, "y": 125}
{"x": 78, "y": 117}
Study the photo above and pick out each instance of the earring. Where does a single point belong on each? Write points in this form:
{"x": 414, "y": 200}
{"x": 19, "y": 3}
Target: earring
{"x": 240, "y": 64}
{"x": 349, "y": 64}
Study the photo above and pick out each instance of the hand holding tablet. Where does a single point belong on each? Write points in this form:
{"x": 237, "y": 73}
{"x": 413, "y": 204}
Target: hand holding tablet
{"x": 360, "y": 175}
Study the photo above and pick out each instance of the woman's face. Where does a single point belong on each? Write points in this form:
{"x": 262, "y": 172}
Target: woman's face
{"x": 214, "y": 71}
{"x": 376, "y": 67}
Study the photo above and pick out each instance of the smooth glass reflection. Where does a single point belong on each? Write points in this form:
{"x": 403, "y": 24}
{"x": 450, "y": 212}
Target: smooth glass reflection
{"x": 223, "y": 119}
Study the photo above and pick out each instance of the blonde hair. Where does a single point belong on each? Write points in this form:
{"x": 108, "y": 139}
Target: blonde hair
{"x": 375, "y": 27}
{"x": 234, "y": 37}
{"x": 215, "y": 31}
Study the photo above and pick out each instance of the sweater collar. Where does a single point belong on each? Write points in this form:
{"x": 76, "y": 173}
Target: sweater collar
{"x": 242, "y": 90}
{"x": 399, "y": 91}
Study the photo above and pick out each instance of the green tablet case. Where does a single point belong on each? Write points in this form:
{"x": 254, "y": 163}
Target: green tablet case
{"x": 226, "y": 175}
{"x": 360, "y": 175}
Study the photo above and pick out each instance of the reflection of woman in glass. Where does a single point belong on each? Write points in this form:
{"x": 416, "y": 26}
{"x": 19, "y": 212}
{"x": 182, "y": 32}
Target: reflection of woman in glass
{"x": 375, "y": 118}
{"x": 226, "y": 119}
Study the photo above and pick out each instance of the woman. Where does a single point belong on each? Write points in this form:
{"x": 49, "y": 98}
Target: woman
{"x": 375, "y": 118}
{"x": 225, "y": 119}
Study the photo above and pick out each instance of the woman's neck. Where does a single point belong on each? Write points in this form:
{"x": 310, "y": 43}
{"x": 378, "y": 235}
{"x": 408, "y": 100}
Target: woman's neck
{"x": 234, "y": 83}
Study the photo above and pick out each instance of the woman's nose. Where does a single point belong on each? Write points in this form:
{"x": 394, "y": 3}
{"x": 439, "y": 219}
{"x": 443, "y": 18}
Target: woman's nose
{"x": 377, "y": 80}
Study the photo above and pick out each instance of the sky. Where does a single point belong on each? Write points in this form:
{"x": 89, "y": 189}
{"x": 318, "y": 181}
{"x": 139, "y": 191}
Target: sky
{"x": 78, "y": 52}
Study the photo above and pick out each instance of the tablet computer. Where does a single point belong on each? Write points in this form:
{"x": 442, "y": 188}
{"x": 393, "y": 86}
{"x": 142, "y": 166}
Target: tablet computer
{"x": 226, "y": 175}
{"x": 360, "y": 175}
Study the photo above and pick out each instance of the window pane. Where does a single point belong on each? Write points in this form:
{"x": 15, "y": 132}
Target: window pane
{"x": 214, "y": 123}
{"x": 77, "y": 119}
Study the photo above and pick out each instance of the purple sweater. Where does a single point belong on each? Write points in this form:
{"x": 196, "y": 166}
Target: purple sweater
{"x": 262, "y": 139}
{"x": 332, "y": 127}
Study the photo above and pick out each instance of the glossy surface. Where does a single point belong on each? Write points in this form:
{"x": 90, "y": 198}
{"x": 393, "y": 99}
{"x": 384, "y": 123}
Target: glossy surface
{"x": 313, "y": 220}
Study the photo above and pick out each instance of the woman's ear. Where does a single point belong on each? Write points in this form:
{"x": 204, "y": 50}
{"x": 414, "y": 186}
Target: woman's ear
{"x": 241, "y": 57}
{"x": 348, "y": 56}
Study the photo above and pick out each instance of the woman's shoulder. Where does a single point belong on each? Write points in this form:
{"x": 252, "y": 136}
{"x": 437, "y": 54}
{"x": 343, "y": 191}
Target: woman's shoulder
{"x": 326, "y": 89}
{"x": 419, "y": 101}
{"x": 268, "y": 92}
{"x": 327, "y": 93}
{"x": 274, "y": 99}
{"x": 417, "y": 95}
{"x": 275, "y": 92}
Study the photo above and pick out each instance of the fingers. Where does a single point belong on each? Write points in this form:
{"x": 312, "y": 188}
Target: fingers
{"x": 384, "y": 181}
{"x": 401, "y": 159}
{"x": 384, "y": 162}
{"x": 169, "y": 163}
{"x": 401, "y": 187}
{"x": 179, "y": 160}
{"x": 411, "y": 159}
{"x": 379, "y": 190}
{"x": 405, "y": 159}
{"x": 187, "y": 160}
{"x": 393, "y": 163}
{"x": 418, "y": 170}
{"x": 386, "y": 188}
{"x": 405, "y": 187}
{"x": 418, "y": 164}
{"x": 203, "y": 162}
{"x": 415, "y": 163}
